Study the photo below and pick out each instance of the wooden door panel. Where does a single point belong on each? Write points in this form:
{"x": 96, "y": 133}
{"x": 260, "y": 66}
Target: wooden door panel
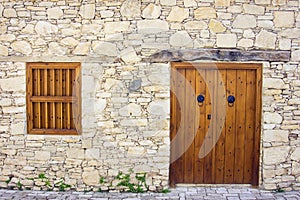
{"x": 220, "y": 145}
{"x": 200, "y": 127}
{"x": 250, "y": 125}
{"x": 234, "y": 136}
{"x": 189, "y": 127}
{"x": 241, "y": 80}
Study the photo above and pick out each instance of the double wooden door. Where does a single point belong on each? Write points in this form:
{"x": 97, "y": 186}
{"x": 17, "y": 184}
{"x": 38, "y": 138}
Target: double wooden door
{"x": 215, "y": 123}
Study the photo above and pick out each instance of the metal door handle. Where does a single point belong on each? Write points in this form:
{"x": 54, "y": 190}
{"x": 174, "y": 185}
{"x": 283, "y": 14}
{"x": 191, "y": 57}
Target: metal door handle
{"x": 231, "y": 100}
{"x": 200, "y": 99}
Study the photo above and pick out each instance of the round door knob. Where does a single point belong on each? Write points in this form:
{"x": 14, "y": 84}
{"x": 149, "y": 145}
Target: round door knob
{"x": 200, "y": 98}
{"x": 231, "y": 99}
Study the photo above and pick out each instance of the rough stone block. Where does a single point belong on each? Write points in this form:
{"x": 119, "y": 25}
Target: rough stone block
{"x": 45, "y": 28}
{"x": 276, "y": 155}
{"x": 22, "y": 47}
{"x": 9, "y": 13}
{"x": 152, "y": 26}
{"x": 168, "y": 2}
{"x": 82, "y": 48}
{"x": 151, "y": 11}
{"x": 216, "y": 26}
{"x": 91, "y": 177}
{"x": 113, "y": 27}
{"x": 272, "y": 118}
{"x": 284, "y": 19}
{"x": 189, "y": 3}
{"x": 253, "y": 9}
{"x": 296, "y": 154}
{"x": 244, "y": 21}
{"x": 195, "y": 25}
{"x": 265, "y": 40}
{"x": 3, "y": 50}
{"x": 178, "y": 14}
{"x": 276, "y": 136}
{"x": 226, "y": 40}
{"x": 131, "y": 8}
{"x": 129, "y": 55}
{"x": 180, "y": 39}
{"x": 274, "y": 83}
{"x": 54, "y": 13}
{"x": 131, "y": 109}
{"x": 205, "y": 13}
{"x": 222, "y": 3}
{"x": 75, "y": 153}
{"x": 87, "y": 11}
{"x": 13, "y": 84}
{"x": 104, "y": 48}
{"x": 42, "y": 155}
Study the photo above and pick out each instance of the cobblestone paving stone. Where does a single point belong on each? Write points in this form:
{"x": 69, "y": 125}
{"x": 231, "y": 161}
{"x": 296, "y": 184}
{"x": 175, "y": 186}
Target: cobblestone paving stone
{"x": 181, "y": 193}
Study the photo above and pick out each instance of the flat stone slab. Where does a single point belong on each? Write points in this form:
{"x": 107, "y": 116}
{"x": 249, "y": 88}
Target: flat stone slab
{"x": 219, "y": 55}
{"x": 177, "y": 193}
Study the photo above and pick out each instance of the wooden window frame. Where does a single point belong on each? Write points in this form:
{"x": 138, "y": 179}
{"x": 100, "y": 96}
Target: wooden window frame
{"x": 72, "y": 98}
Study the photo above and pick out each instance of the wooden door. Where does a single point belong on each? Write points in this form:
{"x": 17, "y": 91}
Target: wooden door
{"x": 215, "y": 140}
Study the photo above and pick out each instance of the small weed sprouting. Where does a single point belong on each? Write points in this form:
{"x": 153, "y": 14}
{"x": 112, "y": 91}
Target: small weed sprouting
{"x": 8, "y": 181}
{"x": 102, "y": 180}
{"x": 42, "y": 176}
{"x": 61, "y": 185}
{"x": 19, "y": 185}
{"x": 165, "y": 191}
{"x": 279, "y": 190}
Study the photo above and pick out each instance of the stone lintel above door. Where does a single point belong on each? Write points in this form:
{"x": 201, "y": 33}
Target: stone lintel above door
{"x": 219, "y": 55}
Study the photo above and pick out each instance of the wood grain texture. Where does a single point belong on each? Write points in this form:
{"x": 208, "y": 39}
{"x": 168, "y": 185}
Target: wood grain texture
{"x": 235, "y": 156}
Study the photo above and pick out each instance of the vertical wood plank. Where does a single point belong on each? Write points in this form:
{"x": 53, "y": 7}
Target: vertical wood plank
{"x": 68, "y": 93}
{"x": 57, "y": 93}
{"x": 180, "y": 110}
{"x": 60, "y": 114}
{"x": 214, "y": 122}
{"x": 173, "y": 129}
{"x": 189, "y": 125}
{"x": 39, "y": 114}
{"x": 208, "y": 164}
{"x": 240, "y": 126}
{"x": 34, "y": 105}
{"x": 45, "y": 85}
{"x": 250, "y": 125}
{"x": 29, "y": 107}
{"x": 52, "y": 93}
{"x": 220, "y": 145}
{"x": 230, "y": 128}
{"x": 200, "y": 134}
{"x": 257, "y": 135}
{"x": 78, "y": 100}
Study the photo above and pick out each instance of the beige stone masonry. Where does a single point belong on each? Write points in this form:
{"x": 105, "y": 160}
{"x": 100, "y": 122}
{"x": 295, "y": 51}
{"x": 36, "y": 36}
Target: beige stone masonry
{"x": 126, "y": 98}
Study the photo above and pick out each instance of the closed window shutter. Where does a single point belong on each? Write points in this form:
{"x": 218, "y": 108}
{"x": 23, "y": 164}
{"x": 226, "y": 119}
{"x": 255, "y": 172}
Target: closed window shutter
{"x": 53, "y": 98}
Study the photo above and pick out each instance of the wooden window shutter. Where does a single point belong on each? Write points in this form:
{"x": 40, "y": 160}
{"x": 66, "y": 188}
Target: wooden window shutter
{"x": 53, "y": 98}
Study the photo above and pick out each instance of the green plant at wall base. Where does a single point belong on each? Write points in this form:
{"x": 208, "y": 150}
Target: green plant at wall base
{"x": 102, "y": 180}
{"x": 8, "y": 181}
{"x": 279, "y": 190}
{"x": 42, "y": 176}
{"x": 19, "y": 185}
{"x": 125, "y": 182}
{"x": 165, "y": 191}
{"x": 61, "y": 185}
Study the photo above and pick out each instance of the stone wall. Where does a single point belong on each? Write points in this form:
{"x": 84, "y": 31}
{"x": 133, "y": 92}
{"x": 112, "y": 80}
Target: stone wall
{"x": 125, "y": 98}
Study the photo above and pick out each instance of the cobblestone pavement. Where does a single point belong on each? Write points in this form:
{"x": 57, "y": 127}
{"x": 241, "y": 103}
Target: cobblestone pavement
{"x": 180, "y": 193}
